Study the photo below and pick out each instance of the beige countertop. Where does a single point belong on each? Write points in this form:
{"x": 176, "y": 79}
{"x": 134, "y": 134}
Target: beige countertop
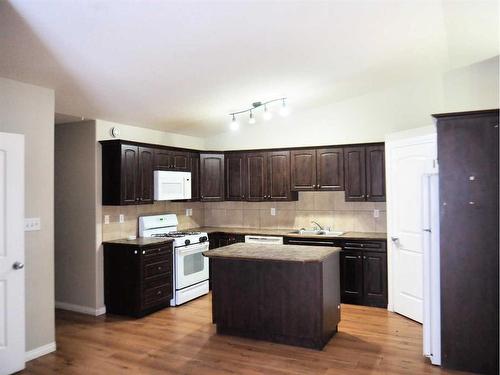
{"x": 139, "y": 241}
{"x": 286, "y": 232}
{"x": 282, "y": 253}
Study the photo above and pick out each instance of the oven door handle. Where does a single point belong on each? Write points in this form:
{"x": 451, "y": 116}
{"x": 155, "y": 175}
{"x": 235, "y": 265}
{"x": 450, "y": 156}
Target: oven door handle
{"x": 189, "y": 250}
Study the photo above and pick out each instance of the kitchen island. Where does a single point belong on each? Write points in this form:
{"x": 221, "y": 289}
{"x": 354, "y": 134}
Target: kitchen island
{"x": 282, "y": 293}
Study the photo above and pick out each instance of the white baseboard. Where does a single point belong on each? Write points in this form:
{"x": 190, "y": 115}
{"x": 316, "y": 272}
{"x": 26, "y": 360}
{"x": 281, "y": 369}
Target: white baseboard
{"x": 41, "y": 350}
{"x": 80, "y": 309}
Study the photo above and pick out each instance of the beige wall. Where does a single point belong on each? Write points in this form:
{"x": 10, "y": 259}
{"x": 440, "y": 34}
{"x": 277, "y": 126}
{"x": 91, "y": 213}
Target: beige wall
{"x": 75, "y": 229}
{"x": 29, "y": 110}
{"x": 327, "y": 208}
{"x": 369, "y": 117}
{"x": 134, "y": 133}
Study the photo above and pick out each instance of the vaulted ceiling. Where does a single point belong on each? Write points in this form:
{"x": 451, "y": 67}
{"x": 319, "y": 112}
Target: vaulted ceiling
{"x": 181, "y": 66}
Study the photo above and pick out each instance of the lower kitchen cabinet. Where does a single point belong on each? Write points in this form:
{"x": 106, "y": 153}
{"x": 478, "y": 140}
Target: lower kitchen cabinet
{"x": 137, "y": 277}
{"x": 363, "y": 273}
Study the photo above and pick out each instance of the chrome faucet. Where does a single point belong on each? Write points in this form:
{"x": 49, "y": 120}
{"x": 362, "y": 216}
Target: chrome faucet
{"x": 319, "y": 226}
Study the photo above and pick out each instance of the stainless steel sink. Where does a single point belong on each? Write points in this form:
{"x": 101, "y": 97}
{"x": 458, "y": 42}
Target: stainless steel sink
{"x": 317, "y": 232}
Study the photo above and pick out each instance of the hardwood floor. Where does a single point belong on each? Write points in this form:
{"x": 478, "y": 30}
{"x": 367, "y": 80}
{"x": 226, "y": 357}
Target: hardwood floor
{"x": 182, "y": 340}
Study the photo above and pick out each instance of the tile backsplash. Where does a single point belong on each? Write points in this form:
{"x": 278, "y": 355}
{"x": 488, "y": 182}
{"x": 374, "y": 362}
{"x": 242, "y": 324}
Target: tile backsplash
{"x": 327, "y": 208}
{"x": 115, "y": 230}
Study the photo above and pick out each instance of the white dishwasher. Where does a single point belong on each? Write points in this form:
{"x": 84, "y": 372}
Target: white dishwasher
{"x": 272, "y": 240}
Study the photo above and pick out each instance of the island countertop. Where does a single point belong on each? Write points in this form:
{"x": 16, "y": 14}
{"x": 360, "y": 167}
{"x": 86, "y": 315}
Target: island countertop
{"x": 283, "y": 253}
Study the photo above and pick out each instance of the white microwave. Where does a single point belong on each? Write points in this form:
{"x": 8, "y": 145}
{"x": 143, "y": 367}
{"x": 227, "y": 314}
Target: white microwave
{"x": 171, "y": 185}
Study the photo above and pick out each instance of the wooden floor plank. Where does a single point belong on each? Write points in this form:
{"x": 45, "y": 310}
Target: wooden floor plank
{"x": 182, "y": 340}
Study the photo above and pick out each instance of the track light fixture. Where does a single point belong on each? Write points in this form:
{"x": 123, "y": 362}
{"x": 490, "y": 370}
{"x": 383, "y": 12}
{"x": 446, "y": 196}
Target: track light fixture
{"x": 267, "y": 114}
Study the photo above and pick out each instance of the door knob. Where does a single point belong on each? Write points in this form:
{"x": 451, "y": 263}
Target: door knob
{"x": 395, "y": 239}
{"x": 18, "y": 265}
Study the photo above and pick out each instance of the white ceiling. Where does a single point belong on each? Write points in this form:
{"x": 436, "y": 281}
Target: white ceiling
{"x": 181, "y": 66}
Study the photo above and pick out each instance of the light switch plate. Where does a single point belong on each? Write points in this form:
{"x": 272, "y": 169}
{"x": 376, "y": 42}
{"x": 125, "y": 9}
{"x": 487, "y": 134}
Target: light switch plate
{"x": 189, "y": 212}
{"x": 31, "y": 224}
{"x": 376, "y": 213}
{"x": 273, "y": 211}
{"x": 106, "y": 219}
{"x": 121, "y": 218}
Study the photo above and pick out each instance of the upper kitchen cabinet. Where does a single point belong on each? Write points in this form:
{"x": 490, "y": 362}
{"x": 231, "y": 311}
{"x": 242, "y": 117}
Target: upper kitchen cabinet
{"x": 364, "y": 168}
{"x": 278, "y": 177}
{"x": 194, "y": 167}
{"x": 127, "y": 173}
{"x": 256, "y": 176}
{"x": 317, "y": 169}
{"x": 235, "y": 176}
{"x": 211, "y": 177}
{"x": 268, "y": 176}
{"x": 171, "y": 160}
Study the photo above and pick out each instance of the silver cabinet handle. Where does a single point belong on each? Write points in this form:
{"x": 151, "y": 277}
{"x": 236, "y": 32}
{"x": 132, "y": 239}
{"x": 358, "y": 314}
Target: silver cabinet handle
{"x": 394, "y": 239}
{"x": 18, "y": 266}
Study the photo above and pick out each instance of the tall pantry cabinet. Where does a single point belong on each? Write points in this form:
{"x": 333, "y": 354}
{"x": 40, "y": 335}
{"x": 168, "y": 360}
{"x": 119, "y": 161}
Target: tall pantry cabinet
{"x": 468, "y": 194}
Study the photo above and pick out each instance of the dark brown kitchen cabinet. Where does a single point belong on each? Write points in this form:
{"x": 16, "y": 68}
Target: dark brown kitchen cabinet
{"x": 194, "y": 167}
{"x": 171, "y": 160}
{"x": 256, "y": 181}
{"x": 351, "y": 277}
{"x": 268, "y": 176}
{"x": 127, "y": 173}
{"x": 468, "y": 150}
{"x": 138, "y": 278}
{"x": 278, "y": 176}
{"x": 303, "y": 169}
{"x": 363, "y": 273}
{"x": 235, "y": 176}
{"x": 211, "y": 177}
{"x": 317, "y": 169}
{"x": 364, "y": 169}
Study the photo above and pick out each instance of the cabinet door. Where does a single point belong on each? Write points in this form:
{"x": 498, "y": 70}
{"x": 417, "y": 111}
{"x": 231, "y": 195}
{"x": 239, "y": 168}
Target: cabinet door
{"x": 278, "y": 178}
{"x": 129, "y": 171}
{"x": 211, "y": 177}
{"x": 163, "y": 160}
{"x": 303, "y": 169}
{"x": 194, "y": 162}
{"x": 330, "y": 168}
{"x": 355, "y": 173}
{"x": 180, "y": 161}
{"x": 235, "y": 176}
{"x": 375, "y": 173}
{"x": 256, "y": 181}
{"x": 351, "y": 277}
{"x": 375, "y": 279}
{"x": 145, "y": 175}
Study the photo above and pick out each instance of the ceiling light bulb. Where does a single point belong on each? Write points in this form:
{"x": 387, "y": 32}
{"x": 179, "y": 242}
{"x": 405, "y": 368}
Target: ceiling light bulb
{"x": 284, "y": 109}
{"x": 267, "y": 115}
{"x": 251, "y": 120}
{"x": 234, "y": 124}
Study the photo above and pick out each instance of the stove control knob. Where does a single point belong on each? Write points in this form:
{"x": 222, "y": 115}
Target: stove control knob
{"x": 203, "y": 238}
{"x": 187, "y": 242}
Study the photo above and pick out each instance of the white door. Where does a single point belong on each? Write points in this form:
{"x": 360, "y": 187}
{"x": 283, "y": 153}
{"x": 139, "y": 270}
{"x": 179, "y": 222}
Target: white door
{"x": 407, "y": 161}
{"x": 12, "y": 346}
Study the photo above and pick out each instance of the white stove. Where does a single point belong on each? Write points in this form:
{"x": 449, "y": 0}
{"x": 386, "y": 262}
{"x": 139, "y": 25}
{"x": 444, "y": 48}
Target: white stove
{"x": 190, "y": 266}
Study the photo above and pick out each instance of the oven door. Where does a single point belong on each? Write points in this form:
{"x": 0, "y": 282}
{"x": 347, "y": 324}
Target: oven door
{"x": 191, "y": 267}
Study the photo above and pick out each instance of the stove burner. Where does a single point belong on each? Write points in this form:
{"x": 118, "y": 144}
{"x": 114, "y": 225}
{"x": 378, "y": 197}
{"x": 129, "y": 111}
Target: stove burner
{"x": 175, "y": 234}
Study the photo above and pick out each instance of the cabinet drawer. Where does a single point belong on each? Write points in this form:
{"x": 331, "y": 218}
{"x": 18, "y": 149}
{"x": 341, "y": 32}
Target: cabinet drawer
{"x": 156, "y": 255}
{"x": 157, "y": 268}
{"x": 365, "y": 245}
{"x": 159, "y": 294}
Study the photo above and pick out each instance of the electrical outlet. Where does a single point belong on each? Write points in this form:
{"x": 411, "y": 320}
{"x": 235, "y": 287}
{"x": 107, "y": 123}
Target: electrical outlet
{"x": 273, "y": 211}
{"x": 121, "y": 218}
{"x": 376, "y": 213}
{"x": 189, "y": 212}
{"x": 106, "y": 219}
{"x": 31, "y": 223}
